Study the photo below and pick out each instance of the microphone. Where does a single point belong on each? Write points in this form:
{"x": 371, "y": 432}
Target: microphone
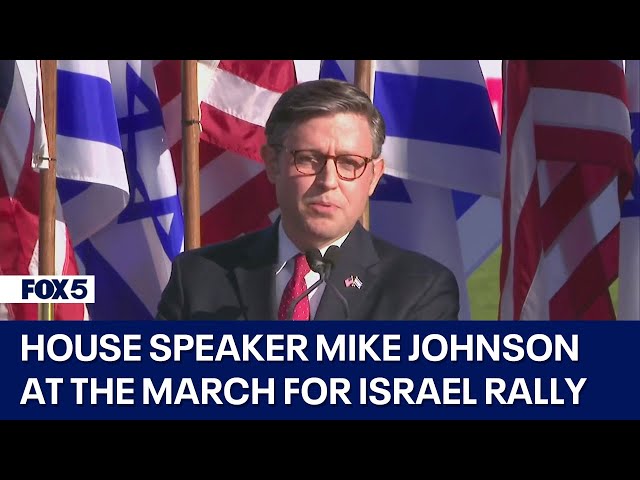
{"x": 330, "y": 259}
{"x": 315, "y": 261}
{"x": 317, "y": 264}
{"x": 323, "y": 266}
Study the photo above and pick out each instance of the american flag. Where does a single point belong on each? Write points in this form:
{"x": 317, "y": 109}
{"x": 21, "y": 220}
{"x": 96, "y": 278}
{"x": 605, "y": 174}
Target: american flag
{"x": 22, "y": 134}
{"x": 236, "y": 97}
{"x": 566, "y": 137}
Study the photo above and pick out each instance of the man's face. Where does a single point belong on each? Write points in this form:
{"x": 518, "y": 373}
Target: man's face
{"x": 319, "y": 209}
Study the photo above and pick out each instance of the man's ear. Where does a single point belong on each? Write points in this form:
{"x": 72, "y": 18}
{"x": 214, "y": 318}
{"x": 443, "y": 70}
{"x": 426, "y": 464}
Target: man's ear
{"x": 378, "y": 170}
{"x": 271, "y": 165}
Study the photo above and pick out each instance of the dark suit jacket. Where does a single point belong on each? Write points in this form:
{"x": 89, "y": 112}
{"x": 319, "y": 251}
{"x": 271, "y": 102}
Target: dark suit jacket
{"x": 234, "y": 280}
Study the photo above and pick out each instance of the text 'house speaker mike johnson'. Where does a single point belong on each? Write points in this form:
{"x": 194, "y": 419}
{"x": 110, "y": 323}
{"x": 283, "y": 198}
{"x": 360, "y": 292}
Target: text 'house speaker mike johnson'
{"x": 323, "y": 266}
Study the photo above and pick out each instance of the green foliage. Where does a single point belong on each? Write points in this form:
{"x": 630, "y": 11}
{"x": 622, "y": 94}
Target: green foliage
{"x": 484, "y": 289}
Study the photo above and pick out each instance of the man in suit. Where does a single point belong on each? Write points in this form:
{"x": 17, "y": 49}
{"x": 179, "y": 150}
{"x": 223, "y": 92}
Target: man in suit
{"x": 324, "y": 141}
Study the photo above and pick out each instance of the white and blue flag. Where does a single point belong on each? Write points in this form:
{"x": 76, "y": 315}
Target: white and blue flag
{"x": 123, "y": 208}
{"x": 440, "y": 194}
{"x": 629, "y": 270}
{"x": 93, "y": 184}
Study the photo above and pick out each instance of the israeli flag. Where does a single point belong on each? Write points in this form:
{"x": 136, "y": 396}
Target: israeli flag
{"x": 130, "y": 250}
{"x": 440, "y": 195}
{"x": 92, "y": 181}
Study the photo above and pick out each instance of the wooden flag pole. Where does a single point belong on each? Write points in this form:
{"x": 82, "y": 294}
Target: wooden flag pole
{"x": 363, "y": 80}
{"x": 47, "y": 238}
{"x": 191, "y": 153}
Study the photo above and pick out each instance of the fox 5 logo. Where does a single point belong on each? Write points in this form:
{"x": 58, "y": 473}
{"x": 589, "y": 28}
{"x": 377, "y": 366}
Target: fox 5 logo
{"x": 47, "y": 289}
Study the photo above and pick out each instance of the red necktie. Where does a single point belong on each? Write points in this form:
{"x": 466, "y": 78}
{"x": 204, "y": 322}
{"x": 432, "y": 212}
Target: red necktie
{"x": 295, "y": 287}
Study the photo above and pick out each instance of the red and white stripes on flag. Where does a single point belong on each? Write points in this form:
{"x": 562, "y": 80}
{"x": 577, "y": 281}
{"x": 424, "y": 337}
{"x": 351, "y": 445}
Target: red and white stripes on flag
{"x": 566, "y": 137}
{"x": 22, "y": 132}
{"x": 236, "y": 97}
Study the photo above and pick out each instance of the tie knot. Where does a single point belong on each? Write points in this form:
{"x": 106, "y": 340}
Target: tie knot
{"x": 301, "y": 267}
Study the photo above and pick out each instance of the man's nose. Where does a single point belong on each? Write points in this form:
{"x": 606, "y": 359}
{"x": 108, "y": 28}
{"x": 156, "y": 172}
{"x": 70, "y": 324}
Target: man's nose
{"x": 329, "y": 174}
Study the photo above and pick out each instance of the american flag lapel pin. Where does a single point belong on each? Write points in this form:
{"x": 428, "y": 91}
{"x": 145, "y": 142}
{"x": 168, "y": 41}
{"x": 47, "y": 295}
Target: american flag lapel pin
{"x": 353, "y": 281}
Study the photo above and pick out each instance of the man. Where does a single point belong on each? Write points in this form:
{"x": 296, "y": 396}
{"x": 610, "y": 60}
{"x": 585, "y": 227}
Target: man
{"x": 324, "y": 141}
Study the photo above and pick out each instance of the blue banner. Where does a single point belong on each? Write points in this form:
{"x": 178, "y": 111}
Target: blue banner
{"x": 320, "y": 370}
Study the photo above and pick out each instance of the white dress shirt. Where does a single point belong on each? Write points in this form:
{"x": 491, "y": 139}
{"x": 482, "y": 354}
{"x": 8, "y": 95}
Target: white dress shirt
{"x": 284, "y": 270}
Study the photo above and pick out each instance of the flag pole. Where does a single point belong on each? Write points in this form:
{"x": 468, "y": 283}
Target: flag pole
{"x": 191, "y": 153}
{"x": 47, "y": 169}
{"x": 364, "y": 80}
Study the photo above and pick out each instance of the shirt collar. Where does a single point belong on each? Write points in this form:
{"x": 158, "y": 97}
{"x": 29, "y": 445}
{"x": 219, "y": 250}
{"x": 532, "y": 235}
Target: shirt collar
{"x": 287, "y": 249}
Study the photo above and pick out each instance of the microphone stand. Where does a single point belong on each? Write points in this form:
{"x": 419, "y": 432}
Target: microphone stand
{"x": 324, "y": 277}
{"x": 337, "y": 292}
{"x": 299, "y": 298}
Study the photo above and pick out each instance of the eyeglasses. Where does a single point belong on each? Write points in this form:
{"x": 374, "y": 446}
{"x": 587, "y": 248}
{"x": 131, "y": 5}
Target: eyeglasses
{"x": 311, "y": 162}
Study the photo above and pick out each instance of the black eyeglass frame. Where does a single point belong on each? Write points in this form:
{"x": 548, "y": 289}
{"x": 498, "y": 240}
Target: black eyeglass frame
{"x": 294, "y": 153}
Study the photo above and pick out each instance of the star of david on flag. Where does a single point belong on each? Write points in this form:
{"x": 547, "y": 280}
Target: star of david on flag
{"x": 129, "y": 246}
{"x": 440, "y": 195}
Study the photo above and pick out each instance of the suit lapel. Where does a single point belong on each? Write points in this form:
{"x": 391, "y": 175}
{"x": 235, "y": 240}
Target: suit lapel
{"x": 357, "y": 254}
{"x": 255, "y": 276}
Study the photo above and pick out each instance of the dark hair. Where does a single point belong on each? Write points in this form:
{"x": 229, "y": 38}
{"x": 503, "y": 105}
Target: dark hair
{"x": 319, "y": 98}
